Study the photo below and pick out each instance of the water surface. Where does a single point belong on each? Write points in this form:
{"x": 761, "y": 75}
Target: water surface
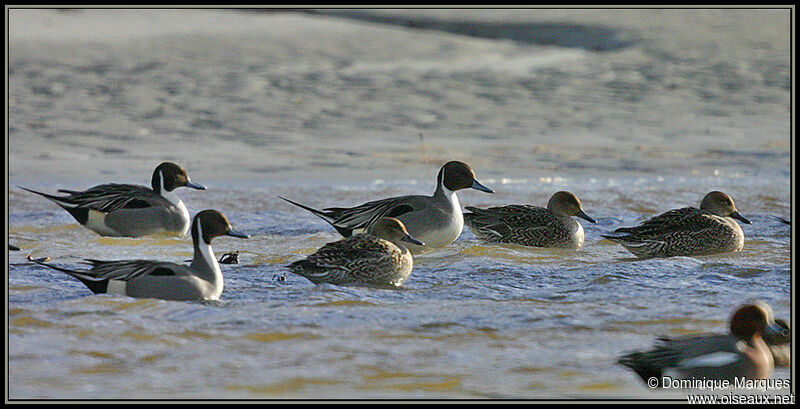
{"x": 260, "y": 105}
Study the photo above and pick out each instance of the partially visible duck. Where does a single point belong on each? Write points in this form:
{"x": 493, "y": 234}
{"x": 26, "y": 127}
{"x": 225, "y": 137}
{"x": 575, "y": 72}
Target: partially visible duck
{"x": 742, "y": 353}
{"x": 378, "y": 257}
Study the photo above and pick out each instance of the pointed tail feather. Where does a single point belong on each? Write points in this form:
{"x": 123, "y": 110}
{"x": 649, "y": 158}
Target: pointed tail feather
{"x": 58, "y": 200}
{"x": 327, "y": 216}
{"x": 80, "y": 214}
{"x": 97, "y": 286}
{"x": 646, "y": 372}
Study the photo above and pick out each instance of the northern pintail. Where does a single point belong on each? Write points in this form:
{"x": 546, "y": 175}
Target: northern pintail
{"x": 688, "y": 231}
{"x": 742, "y": 353}
{"x": 531, "y": 225}
{"x": 201, "y": 280}
{"x": 780, "y": 344}
{"x": 377, "y": 258}
{"x": 125, "y": 210}
{"x": 436, "y": 220}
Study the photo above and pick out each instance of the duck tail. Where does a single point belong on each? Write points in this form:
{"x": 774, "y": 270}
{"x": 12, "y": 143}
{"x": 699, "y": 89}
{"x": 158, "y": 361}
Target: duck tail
{"x": 98, "y": 286}
{"x": 646, "y": 372}
{"x": 319, "y": 213}
{"x": 80, "y": 214}
{"x": 329, "y": 216}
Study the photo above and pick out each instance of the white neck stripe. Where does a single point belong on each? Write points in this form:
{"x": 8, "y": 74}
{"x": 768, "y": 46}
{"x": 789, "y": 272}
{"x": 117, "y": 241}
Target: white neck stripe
{"x": 205, "y": 248}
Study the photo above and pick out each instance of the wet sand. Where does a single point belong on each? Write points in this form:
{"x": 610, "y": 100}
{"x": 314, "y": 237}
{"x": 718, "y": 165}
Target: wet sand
{"x": 255, "y": 96}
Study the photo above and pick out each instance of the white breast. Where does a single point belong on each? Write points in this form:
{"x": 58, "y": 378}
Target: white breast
{"x": 578, "y": 235}
{"x": 448, "y": 233}
{"x": 180, "y": 207}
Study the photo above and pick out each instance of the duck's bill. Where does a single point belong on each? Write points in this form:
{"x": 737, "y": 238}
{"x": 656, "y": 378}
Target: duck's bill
{"x": 585, "y": 216}
{"x": 478, "y": 186}
{"x": 195, "y": 185}
{"x": 777, "y": 332}
{"x": 738, "y": 216}
{"x": 235, "y": 233}
{"x": 410, "y": 239}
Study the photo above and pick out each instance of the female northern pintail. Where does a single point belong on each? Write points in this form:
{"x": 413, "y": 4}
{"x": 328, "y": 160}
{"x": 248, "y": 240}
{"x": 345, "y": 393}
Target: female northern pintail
{"x": 124, "y": 210}
{"x": 437, "y": 220}
{"x": 378, "y": 257}
{"x": 742, "y": 353}
{"x": 688, "y": 231}
{"x": 201, "y": 280}
{"x": 531, "y": 225}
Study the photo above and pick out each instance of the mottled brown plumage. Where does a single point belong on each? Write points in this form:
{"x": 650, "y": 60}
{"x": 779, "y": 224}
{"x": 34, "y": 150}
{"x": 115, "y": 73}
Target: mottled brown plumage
{"x": 376, "y": 258}
{"x": 531, "y": 225}
{"x": 688, "y": 231}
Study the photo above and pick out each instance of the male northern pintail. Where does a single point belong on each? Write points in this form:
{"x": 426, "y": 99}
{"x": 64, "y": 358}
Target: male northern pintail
{"x": 780, "y": 344}
{"x": 531, "y": 225}
{"x": 377, "y": 258}
{"x": 688, "y": 231}
{"x": 436, "y": 220}
{"x": 125, "y": 210}
{"x": 201, "y": 280}
{"x": 742, "y": 353}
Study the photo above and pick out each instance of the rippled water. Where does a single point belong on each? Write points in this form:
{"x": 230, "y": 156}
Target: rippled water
{"x": 473, "y": 321}
{"x": 649, "y": 112}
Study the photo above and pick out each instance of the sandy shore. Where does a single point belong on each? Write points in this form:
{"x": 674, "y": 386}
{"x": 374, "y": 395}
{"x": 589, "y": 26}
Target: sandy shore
{"x": 255, "y": 96}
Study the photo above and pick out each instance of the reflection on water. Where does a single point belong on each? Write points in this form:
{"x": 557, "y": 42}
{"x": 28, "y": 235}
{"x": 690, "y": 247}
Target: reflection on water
{"x": 651, "y": 111}
{"x": 473, "y": 321}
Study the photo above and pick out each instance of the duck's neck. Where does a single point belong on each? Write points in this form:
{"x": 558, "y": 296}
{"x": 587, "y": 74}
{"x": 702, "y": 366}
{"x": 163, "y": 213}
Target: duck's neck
{"x": 443, "y": 192}
{"x": 173, "y": 199}
{"x": 205, "y": 262}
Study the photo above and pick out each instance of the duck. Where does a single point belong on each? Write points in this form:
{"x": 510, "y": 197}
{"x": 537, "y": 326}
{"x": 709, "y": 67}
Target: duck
{"x": 201, "y": 280}
{"x": 127, "y": 210}
{"x": 436, "y": 220}
{"x": 688, "y": 231}
{"x": 378, "y": 257}
{"x": 742, "y": 353}
{"x": 531, "y": 226}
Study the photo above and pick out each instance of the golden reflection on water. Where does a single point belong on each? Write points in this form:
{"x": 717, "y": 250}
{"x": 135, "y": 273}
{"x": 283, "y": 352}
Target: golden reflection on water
{"x": 286, "y": 386}
{"x": 278, "y": 336}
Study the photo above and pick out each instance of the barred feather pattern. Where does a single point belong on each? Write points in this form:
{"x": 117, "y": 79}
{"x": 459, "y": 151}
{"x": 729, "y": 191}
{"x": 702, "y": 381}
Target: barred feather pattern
{"x": 682, "y": 232}
{"x": 361, "y": 259}
{"x": 520, "y": 224}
